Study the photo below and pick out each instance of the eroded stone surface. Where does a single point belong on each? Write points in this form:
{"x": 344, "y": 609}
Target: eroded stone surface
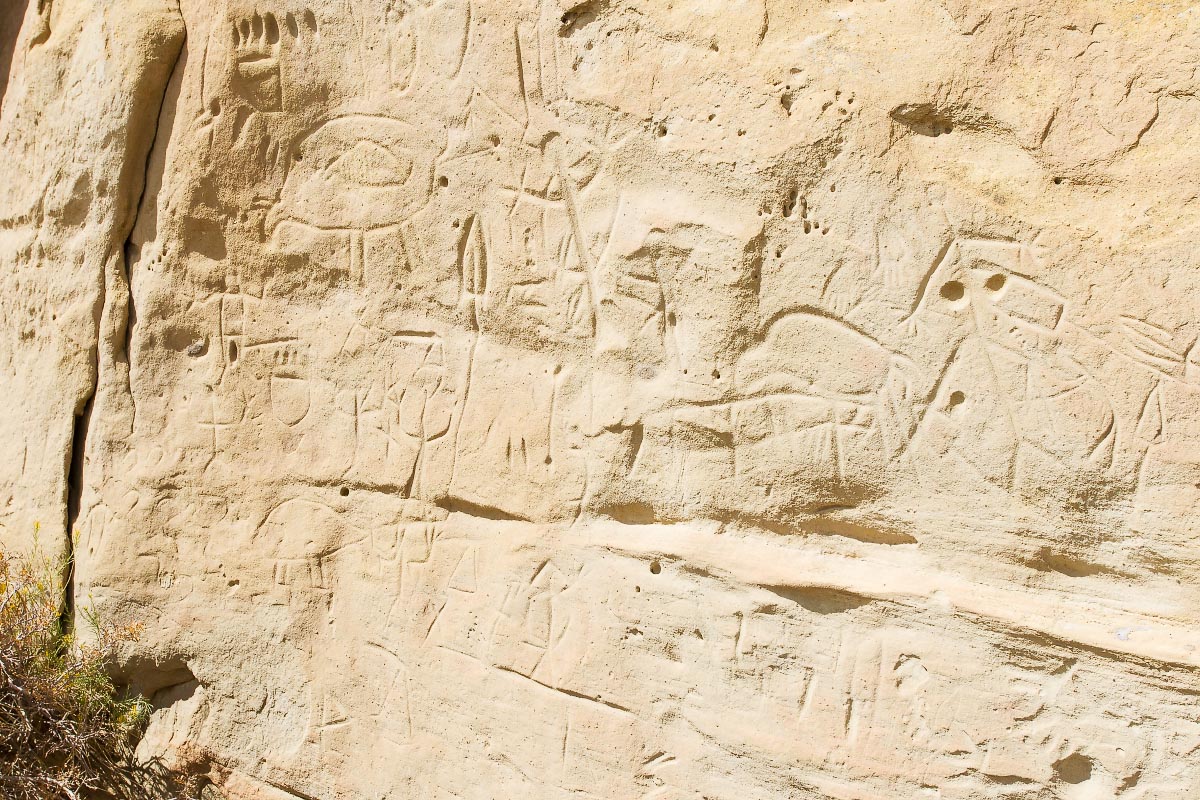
{"x": 483, "y": 398}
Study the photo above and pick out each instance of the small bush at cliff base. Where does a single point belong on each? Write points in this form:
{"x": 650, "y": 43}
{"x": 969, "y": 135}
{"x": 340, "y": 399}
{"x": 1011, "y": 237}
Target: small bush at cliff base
{"x": 65, "y": 732}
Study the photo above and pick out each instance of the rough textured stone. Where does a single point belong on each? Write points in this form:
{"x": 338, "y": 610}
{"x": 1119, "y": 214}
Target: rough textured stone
{"x": 623, "y": 398}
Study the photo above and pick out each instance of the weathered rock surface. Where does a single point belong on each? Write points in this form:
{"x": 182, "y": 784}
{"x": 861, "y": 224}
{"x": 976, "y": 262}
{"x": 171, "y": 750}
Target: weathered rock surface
{"x": 624, "y": 398}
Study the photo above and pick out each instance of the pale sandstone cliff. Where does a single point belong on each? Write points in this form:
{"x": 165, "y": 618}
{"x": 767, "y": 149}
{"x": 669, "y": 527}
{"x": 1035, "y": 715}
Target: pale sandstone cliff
{"x": 619, "y": 399}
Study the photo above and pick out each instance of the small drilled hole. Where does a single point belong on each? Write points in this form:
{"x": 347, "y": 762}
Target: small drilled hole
{"x": 443, "y": 181}
{"x": 996, "y": 282}
{"x": 344, "y": 491}
{"x": 655, "y": 567}
{"x": 956, "y": 400}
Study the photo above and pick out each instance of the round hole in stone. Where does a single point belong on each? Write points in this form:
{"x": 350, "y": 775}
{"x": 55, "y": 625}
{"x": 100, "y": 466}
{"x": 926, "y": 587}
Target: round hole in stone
{"x": 344, "y": 491}
{"x": 996, "y": 282}
{"x": 953, "y": 290}
{"x": 655, "y": 567}
{"x": 1075, "y": 768}
{"x": 956, "y": 400}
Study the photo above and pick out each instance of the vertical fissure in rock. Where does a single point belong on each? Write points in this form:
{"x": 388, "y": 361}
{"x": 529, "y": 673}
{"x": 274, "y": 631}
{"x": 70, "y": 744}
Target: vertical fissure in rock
{"x": 136, "y": 191}
{"x": 75, "y": 459}
{"x": 130, "y": 250}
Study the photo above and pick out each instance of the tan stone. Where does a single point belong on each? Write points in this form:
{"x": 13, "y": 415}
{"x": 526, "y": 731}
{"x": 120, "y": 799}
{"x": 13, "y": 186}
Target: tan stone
{"x": 618, "y": 399}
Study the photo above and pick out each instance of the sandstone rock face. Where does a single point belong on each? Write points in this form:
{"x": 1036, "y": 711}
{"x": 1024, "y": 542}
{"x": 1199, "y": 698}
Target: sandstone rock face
{"x": 622, "y": 398}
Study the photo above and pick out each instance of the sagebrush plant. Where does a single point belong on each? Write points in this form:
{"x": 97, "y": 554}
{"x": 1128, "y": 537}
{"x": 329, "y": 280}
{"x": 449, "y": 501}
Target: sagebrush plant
{"x": 65, "y": 729}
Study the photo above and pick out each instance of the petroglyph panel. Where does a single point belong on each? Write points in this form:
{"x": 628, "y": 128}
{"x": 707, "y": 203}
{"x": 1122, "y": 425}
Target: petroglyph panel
{"x": 618, "y": 399}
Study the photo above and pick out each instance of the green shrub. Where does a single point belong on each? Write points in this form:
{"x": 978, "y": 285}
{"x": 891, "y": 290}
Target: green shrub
{"x": 65, "y": 730}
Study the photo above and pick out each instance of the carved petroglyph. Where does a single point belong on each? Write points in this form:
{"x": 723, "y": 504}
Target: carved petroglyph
{"x": 1009, "y": 381}
{"x": 618, "y": 398}
{"x": 353, "y": 176}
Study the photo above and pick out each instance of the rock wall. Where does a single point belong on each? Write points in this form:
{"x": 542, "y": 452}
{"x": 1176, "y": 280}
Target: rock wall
{"x": 487, "y": 399}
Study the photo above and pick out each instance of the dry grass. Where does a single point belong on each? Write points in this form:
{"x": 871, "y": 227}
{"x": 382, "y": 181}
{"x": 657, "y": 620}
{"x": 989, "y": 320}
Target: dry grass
{"x": 66, "y": 732}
